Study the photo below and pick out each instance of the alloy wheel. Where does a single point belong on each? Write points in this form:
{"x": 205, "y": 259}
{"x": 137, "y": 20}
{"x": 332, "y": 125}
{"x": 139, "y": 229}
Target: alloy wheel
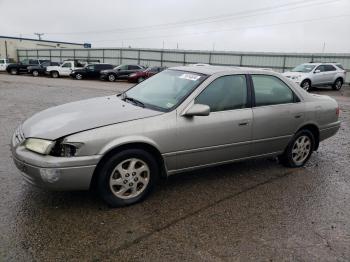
{"x": 129, "y": 178}
{"x": 111, "y": 78}
{"x": 301, "y": 149}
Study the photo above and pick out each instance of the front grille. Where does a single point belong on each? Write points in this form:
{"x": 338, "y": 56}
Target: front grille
{"x": 19, "y": 135}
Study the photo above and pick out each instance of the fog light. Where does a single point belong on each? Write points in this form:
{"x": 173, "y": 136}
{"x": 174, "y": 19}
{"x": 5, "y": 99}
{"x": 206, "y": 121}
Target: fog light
{"x": 50, "y": 175}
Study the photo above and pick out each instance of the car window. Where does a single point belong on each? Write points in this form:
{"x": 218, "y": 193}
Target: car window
{"x": 45, "y": 64}
{"x": 329, "y": 68}
{"x": 25, "y": 62}
{"x": 321, "y": 68}
{"x": 133, "y": 67}
{"x": 225, "y": 93}
{"x": 122, "y": 67}
{"x": 91, "y": 67}
{"x": 270, "y": 90}
{"x": 166, "y": 89}
{"x": 340, "y": 66}
{"x": 2, "y": 61}
{"x": 33, "y": 62}
{"x": 65, "y": 65}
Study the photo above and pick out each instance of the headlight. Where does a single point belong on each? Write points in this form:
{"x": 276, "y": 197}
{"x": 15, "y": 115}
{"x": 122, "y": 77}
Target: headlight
{"x": 63, "y": 149}
{"x": 40, "y": 146}
{"x": 73, "y": 72}
{"x": 296, "y": 77}
{"x": 132, "y": 75}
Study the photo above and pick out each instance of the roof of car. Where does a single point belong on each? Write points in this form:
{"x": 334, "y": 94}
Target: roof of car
{"x": 212, "y": 69}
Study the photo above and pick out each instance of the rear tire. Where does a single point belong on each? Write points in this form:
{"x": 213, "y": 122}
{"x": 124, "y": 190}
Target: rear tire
{"x": 338, "y": 83}
{"x": 306, "y": 85}
{"x": 55, "y": 74}
{"x": 79, "y": 76}
{"x": 127, "y": 177}
{"x": 14, "y": 71}
{"x": 35, "y": 73}
{"x": 299, "y": 149}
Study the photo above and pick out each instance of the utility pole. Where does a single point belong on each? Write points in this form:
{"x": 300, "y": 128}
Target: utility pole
{"x": 39, "y": 35}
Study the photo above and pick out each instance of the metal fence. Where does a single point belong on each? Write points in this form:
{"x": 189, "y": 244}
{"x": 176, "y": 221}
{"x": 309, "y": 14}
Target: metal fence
{"x": 279, "y": 62}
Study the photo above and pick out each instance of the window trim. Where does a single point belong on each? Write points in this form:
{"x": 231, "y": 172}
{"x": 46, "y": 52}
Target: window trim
{"x": 248, "y": 103}
{"x": 296, "y": 98}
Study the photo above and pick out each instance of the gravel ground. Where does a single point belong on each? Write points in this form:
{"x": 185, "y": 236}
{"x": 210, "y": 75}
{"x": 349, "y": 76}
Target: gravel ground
{"x": 250, "y": 211}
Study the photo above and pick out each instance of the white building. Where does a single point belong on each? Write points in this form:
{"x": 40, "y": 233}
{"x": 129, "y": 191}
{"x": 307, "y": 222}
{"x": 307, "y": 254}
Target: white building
{"x": 9, "y": 45}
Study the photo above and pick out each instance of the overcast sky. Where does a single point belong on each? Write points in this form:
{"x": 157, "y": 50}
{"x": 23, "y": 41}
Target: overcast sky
{"x": 241, "y": 25}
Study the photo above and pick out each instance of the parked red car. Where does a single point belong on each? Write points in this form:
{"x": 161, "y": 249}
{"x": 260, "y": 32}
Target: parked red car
{"x": 138, "y": 77}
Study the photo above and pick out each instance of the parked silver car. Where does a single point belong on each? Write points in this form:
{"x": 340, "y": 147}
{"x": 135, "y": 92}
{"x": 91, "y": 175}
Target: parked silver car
{"x": 181, "y": 119}
{"x": 318, "y": 74}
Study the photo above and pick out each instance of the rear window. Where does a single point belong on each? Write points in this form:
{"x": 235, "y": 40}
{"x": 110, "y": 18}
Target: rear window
{"x": 340, "y": 66}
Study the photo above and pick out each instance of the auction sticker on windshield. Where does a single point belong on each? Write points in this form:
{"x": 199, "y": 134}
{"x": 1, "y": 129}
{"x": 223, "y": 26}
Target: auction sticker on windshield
{"x": 190, "y": 77}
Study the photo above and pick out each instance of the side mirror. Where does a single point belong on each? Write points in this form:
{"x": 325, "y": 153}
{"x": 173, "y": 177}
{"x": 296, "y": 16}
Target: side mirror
{"x": 197, "y": 110}
{"x": 317, "y": 71}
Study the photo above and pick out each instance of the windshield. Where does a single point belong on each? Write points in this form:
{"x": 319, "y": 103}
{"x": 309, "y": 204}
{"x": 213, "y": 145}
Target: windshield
{"x": 165, "y": 90}
{"x": 303, "y": 68}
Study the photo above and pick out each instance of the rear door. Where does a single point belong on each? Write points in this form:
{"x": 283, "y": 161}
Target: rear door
{"x": 277, "y": 114}
{"x": 330, "y": 74}
{"x": 319, "y": 77}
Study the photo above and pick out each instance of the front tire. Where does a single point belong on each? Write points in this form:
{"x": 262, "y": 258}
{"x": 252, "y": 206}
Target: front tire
{"x": 306, "y": 85}
{"x": 111, "y": 78}
{"x": 338, "y": 83}
{"x": 127, "y": 177}
{"x": 299, "y": 149}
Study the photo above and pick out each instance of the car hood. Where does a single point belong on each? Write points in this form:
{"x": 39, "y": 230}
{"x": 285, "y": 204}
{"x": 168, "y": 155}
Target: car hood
{"x": 82, "y": 115}
{"x": 52, "y": 68}
{"x": 290, "y": 74}
{"x": 106, "y": 71}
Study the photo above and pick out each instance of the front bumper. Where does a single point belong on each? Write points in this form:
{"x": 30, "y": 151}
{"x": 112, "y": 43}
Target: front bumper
{"x": 54, "y": 173}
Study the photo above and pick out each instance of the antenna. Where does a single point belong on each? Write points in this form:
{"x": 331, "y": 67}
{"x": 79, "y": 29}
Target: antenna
{"x": 39, "y": 35}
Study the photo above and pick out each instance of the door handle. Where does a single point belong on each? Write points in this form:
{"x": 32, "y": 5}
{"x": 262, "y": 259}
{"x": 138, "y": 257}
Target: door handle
{"x": 243, "y": 123}
{"x": 297, "y": 116}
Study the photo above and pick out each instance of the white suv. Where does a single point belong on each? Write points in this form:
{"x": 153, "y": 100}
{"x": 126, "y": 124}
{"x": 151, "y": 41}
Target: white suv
{"x": 318, "y": 74}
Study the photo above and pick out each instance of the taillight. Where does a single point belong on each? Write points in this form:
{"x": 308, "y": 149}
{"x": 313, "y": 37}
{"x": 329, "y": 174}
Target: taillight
{"x": 337, "y": 111}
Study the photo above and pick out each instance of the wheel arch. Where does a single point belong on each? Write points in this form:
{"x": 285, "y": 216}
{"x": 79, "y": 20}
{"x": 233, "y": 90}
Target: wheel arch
{"x": 148, "y": 147}
{"x": 313, "y": 128}
{"x": 306, "y": 79}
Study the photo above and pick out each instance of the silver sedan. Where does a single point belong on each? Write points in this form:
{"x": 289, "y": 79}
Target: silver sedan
{"x": 181, "y": 119}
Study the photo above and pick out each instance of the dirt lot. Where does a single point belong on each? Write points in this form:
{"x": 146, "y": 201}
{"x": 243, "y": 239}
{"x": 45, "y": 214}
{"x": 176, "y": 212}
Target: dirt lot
{"x": 249, "y": 211}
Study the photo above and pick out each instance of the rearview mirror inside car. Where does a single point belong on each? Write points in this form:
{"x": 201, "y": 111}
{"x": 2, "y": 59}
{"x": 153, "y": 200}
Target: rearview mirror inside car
{"x": 197, "y": 110}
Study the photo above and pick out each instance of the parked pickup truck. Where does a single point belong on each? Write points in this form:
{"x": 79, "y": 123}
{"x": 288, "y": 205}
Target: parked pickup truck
{"x": 65, "y": 69}
{"x": 4, "y": 62}
{"x": 40, "y": 69}
{"x": 22, "y": 67}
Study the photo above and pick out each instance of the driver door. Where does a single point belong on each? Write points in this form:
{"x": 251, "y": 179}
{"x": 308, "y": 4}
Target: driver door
{"x": 319, "y": 77}
{"x": 223, "y": 135}
{"x": 66, "y": 69}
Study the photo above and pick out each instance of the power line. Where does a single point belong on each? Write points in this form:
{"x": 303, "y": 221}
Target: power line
{"x": 232, "y": 29}
{"x": 206, "y": 20}
{"x": 39, "y": 35}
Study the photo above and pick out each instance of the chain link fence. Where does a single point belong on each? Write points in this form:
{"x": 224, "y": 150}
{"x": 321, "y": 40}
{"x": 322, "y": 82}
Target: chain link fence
{"x": 279, "y": 62}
